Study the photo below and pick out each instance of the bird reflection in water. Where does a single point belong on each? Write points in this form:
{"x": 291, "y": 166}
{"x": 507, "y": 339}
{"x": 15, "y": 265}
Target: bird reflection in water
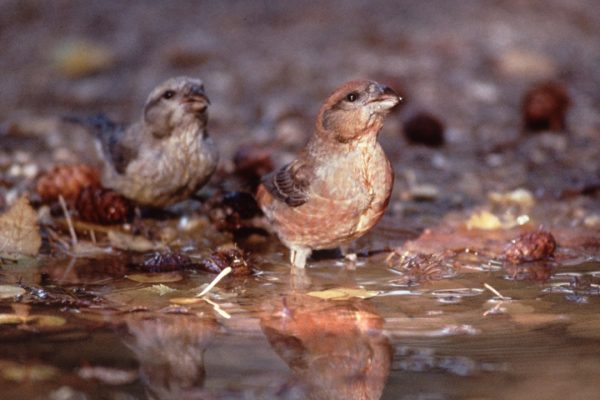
{"x": 170, "y": 349}
{"x": 336, "y": 349}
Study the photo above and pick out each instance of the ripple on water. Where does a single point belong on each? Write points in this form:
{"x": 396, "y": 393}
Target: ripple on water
{"x": 419, "y": 359}
{"x": 455, "y": 296}
{"x": 427, "y": 327}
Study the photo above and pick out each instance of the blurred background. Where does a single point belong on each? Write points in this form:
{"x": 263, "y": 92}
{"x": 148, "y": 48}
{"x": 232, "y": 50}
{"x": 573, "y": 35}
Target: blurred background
{"x": 267, "y": 66}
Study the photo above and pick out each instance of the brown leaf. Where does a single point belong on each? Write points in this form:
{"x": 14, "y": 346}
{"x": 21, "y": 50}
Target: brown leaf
{"x": 110, "y": 376}
{"x": 186, "y": 300}
{"x": 10, "y": 291}
{"x": 19, "y": 231}
{"x": 18, "y": 372}
{"x": 483, "y": 220}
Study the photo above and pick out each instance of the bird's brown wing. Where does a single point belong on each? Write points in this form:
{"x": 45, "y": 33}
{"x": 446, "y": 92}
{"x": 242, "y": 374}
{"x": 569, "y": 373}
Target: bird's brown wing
{"x": 290, "y": 183}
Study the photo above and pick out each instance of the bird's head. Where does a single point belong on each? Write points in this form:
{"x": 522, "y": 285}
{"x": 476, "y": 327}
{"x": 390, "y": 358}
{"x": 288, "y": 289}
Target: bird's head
{"x": 354, "y": 110}
{"x": 177, "y": 102}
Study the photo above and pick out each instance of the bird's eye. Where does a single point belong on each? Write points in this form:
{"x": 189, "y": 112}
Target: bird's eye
{"x": 351, "y": 97}
{"x": 168, "y": 94}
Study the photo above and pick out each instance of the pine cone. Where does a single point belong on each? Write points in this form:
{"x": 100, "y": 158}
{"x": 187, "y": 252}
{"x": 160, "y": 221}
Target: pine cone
{"x": 103, "y": 206}
{"x": 66, "y": 181}
{"x": 530, "y": 246}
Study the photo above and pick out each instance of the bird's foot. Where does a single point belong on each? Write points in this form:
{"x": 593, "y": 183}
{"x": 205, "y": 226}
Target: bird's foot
{"x": 298, "y": 256}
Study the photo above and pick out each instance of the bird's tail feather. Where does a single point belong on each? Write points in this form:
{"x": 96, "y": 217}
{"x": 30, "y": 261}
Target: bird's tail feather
{"x": 96, "y": 124}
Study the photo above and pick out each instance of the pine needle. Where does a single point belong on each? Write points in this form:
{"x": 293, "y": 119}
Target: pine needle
{"x": 63, "y": 205}
{"x": 214, "y": 282}
{"x": 217, "y": 308}
{"x": 493, "y": 290}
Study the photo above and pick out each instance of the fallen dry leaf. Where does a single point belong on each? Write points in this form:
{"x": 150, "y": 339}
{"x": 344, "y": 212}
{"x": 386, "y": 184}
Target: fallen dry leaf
{"x": 10, "y": 319}
{"x": 110, "y": 376}
{"x": 42, "y": 321}
{"x": 161, "y": 289}
{"x": 10, "y": 291}
{"x": 483, "y": 220}
{"x": 186, "y": 300}
{"x": 17, "y": 372}
{"x": 343, "y": 294}
{"x": 45, "y": 321}
{"x": 19, "y": 231}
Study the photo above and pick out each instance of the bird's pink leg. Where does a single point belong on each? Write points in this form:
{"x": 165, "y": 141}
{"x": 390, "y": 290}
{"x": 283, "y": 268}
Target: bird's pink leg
{"x": 298, "y": 256}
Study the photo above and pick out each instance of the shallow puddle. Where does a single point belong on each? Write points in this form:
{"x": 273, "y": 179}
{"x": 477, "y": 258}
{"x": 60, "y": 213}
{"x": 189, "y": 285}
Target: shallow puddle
{"x": 265, "y": 336}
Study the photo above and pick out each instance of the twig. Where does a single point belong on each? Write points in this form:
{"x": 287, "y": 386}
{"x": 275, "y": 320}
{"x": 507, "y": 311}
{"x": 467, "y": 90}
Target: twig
{"x": 493, "y": 310}
{"x": 493, "y": 290}
{"x": 81, "y": 226}
{"x": 57, "y": 238}
{"x": 211, "y": 285}
{"x": 68, "y": 218}
{"x": 217, "y": 308}
{"x": 67, "y": 270}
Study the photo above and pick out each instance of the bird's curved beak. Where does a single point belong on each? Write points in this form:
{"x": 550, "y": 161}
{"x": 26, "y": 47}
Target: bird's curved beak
{"x": 196, "y": 99}
{"x": 383, "y": 97}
